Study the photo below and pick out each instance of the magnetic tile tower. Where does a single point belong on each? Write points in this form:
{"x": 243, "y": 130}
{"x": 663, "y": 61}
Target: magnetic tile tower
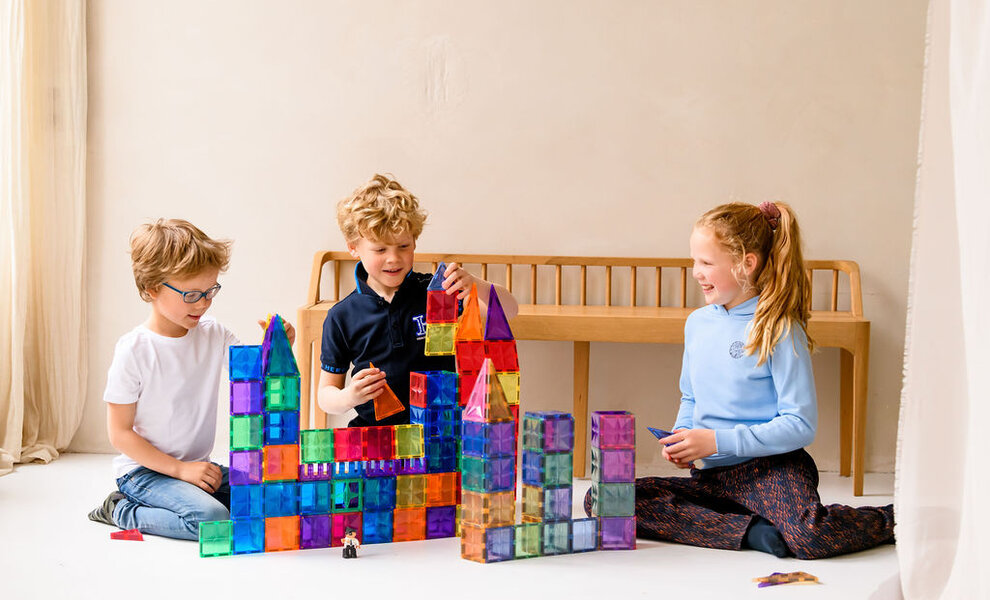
{"x": 547, "y": 490}
{"x": 613, "y": 477}
{"x": 488, "y": 471}
{"x": 293, "y": 489}
{"x": 433, "y": 394}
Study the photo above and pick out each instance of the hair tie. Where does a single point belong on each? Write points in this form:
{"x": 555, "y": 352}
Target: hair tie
{"x": 771, "y": 213}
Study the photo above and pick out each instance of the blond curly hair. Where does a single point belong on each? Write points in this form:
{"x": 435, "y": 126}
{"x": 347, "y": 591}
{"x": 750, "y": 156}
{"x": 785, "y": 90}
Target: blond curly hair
{"x": 173, "y": 249}
{"x": 380, "y": 210}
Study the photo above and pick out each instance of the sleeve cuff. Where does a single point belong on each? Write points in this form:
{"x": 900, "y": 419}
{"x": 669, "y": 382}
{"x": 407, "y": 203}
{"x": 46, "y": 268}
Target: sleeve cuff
{"x": 119, "y": 399}
{"x": 332, "y": 369}
{"x": 725, "y": 442}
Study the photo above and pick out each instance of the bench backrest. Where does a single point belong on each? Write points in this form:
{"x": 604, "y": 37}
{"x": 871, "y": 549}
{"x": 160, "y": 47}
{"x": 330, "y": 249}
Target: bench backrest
{"x": 582, "y": 280}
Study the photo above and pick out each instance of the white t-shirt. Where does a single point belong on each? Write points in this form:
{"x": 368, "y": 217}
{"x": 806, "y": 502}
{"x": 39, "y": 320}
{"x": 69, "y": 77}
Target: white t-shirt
{"x": 174, "y": 382}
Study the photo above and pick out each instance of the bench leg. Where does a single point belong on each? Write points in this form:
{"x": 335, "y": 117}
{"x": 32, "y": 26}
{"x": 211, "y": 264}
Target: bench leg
{"x": 304, "y": 353}
{"x": 582, "y": 351}
{"x": 861, "y": 366}
{"x": 845, "y": 411}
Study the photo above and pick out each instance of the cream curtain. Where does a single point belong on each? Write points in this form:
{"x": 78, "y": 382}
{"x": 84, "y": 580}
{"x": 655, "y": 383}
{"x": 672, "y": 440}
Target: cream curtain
{"x": 943, "y": 477}
{"x": 42, "y": 227}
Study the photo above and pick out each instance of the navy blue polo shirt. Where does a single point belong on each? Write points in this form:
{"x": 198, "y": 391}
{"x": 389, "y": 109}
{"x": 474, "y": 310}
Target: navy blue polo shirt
{"x": 363, "y": 328}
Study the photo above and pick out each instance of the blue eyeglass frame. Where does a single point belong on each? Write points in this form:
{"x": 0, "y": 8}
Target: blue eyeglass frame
{"x": 196, "y": 295}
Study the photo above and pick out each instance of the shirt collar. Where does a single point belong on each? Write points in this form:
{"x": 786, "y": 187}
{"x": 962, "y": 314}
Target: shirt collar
{"x": 746, "y": 310}
{"x": 361, "y": 281}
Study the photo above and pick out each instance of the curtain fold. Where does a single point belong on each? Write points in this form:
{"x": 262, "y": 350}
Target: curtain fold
{"x": 942, "y": 477}
{"x": 42, "y": 227}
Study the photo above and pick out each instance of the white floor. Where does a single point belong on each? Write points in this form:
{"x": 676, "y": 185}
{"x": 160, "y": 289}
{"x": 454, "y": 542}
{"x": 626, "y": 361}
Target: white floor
{"x": 48, "y": 549}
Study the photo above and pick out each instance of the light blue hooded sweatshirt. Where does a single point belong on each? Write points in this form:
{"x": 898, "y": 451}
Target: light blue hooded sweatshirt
{"x": 754, "y": 410}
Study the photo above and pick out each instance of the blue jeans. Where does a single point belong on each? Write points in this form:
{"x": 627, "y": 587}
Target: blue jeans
{"x": 162, "y": 505}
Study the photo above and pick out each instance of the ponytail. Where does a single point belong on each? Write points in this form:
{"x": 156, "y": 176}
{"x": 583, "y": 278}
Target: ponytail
{"x": 785, "y": 291}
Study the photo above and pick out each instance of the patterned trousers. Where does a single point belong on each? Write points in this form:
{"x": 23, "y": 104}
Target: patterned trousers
{"x": 714, "y": 507}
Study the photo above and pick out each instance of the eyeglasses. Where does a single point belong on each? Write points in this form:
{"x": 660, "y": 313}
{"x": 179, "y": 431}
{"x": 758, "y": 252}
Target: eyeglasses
{"x": 193, "y": 297}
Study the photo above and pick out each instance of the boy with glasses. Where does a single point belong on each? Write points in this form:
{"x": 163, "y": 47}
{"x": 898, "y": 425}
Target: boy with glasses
{"x": 162, "y": 388}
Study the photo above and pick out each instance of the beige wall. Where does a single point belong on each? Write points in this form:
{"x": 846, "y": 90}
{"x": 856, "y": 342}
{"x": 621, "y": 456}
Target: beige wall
{"x": 555, "y": 127}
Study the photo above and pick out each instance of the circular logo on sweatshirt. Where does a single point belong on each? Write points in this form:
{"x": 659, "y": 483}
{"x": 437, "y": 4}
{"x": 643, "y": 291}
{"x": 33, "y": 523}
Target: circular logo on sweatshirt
{"x": 736, "y": 350}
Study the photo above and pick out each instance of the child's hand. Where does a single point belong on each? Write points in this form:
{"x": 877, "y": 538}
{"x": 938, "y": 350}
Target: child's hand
{"x": 204, "y": 475}
{"x": 456, "y": 279}
{"x": 688, "y": 445}
{"x": 365, "y": 385}
{"x": 678, "y": 464}
{"x": 290, "y": 331}
{"x": 666, "y": 453}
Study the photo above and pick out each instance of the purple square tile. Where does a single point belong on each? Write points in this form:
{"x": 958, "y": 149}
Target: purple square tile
{"x": 314, "y": 531}
{"x": 246, "y": 397}
{"x": 618, "y": 533}
{"x": 440, "y": 521}
{"x": 613, "y": 429}
{"x": 499, "y": 544}
{"x": 503, "y": 438}
{"x": 559, "y": 435}
{"x": 618, "y": 466}
{"x": 245, "y": 467}
{"x": 557, "y": 504}
{"x": 503, "y": 473}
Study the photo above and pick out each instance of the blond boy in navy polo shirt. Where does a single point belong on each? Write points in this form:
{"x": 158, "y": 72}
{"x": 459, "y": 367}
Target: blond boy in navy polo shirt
{"x": 383, "y": 320}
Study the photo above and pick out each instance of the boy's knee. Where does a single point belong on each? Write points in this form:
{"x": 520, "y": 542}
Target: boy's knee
{"x": 211, "y": 511}
{"x": 215, "y": 512}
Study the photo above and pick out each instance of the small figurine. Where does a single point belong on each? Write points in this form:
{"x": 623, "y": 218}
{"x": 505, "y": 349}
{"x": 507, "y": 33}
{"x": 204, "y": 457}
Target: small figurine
{"x": 350, "y": 542}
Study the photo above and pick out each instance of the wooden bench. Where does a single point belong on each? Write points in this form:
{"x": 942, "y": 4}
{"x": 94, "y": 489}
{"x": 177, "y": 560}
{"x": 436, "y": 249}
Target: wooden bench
{"x": 571, "y": 313}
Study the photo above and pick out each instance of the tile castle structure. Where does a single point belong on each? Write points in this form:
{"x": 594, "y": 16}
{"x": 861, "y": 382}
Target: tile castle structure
{"x": 452, "y": 471}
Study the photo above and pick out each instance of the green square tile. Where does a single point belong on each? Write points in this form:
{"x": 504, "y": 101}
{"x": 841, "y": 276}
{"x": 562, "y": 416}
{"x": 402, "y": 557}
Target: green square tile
{"x": 316, "y": 445}
{"x": 559, "y": 469}
{"x": 348, "y": 495}
{"x": 532, "y": 433}
{"x": 216, "y": 538}
{"x": 557, "y": 538}
{"x": 408, "y": 441}
{"x": 282, "y": 393}
{"x": 473, "y": 474}
{"x": 613, "y": 499}
{"x": 528, "y": 540}
{"x": 246, "y": 432}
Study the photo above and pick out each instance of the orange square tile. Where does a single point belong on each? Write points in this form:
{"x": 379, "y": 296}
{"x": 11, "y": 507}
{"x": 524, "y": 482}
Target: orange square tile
{"x": 441, "y": 489}
{"x": 280, "y": 463}
{"x": 281, "y": 533}
{"x": 408, "y": 524}
{"x": 473, "y": 543}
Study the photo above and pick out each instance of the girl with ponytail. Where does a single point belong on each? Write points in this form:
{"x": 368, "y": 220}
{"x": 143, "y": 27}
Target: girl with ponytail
{"x": 748, "y": 405}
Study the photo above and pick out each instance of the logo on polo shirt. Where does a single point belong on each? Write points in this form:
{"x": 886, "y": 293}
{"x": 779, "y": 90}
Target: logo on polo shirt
{"x": 420, "y": 321}
{"x": 736, "y": 350}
